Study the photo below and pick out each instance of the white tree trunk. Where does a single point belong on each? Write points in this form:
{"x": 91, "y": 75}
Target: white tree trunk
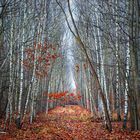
{"x": 100, "y": 61}
{"x": 21, "y": 63}
{"x": 33, "y": 89}
{"x": 117, "y": 62}
{"x": 126, "y": 84}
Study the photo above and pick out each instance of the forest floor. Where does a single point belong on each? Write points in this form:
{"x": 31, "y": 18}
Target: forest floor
{"x": 68, "y": 123}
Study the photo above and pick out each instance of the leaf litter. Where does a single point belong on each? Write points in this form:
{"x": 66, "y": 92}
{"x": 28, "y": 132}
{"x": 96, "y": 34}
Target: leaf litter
{"x": 68, "y": 123}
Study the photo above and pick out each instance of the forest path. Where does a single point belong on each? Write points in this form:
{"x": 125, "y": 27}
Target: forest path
{"x": 68, "y": 123}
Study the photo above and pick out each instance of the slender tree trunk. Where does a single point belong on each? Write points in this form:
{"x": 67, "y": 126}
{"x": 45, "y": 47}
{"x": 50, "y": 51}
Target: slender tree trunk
{"x": 18, "y": 119}
{"x": 126, "y": 86}
{"x": 9, "y": 108}
{"x": 101, "y": 60}
{"x": 33, "y": 85}
{"x": 117, "y": 62}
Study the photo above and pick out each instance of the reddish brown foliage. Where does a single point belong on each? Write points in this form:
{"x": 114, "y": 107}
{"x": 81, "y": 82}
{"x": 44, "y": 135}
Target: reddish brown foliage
{"x": 46, "y": 55}
{"x": 63, "y": 97}
{"x": 68, "y": 123}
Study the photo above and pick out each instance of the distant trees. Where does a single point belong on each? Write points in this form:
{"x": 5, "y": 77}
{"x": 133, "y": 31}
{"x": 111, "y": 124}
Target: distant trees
{"x": 106, "y": 56}
{"x": 26, "y": 25}
{"x": 105, "y": 32}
